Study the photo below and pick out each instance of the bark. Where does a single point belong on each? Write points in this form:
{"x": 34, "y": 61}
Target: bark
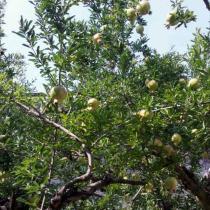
{"x": 190, "y": 182}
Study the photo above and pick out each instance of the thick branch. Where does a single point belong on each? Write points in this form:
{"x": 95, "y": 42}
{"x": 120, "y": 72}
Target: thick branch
{"x": 72, "y": 195}
{"x": 191, "y": 183}
{"x": 35, "y": 113}
{"x": 206, "y": 2}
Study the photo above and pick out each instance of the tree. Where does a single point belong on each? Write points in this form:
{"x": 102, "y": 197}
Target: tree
{"x": 133, "y": 131}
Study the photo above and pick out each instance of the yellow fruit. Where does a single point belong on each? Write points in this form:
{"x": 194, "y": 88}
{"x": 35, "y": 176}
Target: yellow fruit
{"x": 171, "y": 183}
{"x": 193, "y": 83}
{"x": 93, "y": 103}
{"x": 144, "y": 114}
{"x": 152, "y": 85}
{"x": 58, "y": 94}
{"x": 131, "y": 14}
{"x": 171, "y": 18}
{"x": 143, "y": 7}
{"x": 205, "y": 155}
{"x": 149, "y": 187}
{"x": 168, "y": 150}
{"x": 140, "y": 29}
{"x": 176, "y": 138}
{"x": 97, "y": 38}
{"x": 158, "y": 143}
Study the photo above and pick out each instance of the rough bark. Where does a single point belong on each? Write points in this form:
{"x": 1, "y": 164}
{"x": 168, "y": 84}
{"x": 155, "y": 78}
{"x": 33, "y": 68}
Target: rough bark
{"x": 190, "y": 182}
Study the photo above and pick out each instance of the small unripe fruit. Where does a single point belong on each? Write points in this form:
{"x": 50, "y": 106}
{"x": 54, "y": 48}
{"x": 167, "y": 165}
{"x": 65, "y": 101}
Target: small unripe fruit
{"x": 140, "y": 29}
{"x": 58, "y": 94}
{"x": 158, "y": 143}
{"x": 145, "y": 114}
{"x": 176, "y": 138}
{"x": 205, "y": 155}
{"x": 131, "y": 14}
{"x": 193, "y": 83}
{"x": 152, "y": 85}
{"x": 143, "y": 7}
{"x": 149, "y": 187}
{"x": 93, "y": 103}
{"x": 168, "y": 150}
{"x": 171, "y": 184}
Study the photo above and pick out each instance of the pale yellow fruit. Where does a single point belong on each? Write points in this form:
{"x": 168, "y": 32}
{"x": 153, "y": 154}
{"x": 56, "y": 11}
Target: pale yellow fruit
{"x": 97, "y": 38}
{"x": 149, "y": 187}
{"x": 58, "y": 94}
{"x": 140, "y": 29}
{"x": 158, "y": 143}
{"x": 171, "y": 18}
{"x": 131, "y": 14}
{"x": 93, "y": 103}
{"x": 152, "y": 85}
{"x": 176, "y": 138}
{"x": 144, "y": 113}
{"x": 205, "y": 155}
{"x": 193, "y": 83}
{"x": 168, "y": 150}
{"x": 143, "y": 7}
{"x": 171, "y": 183}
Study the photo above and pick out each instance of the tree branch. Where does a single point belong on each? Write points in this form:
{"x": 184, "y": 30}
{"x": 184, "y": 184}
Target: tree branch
{"x": 206, "y": 2}
{"x": 192, "y": 184}
{"x": 72, "y": 194}
{"x": 35, "y": 113}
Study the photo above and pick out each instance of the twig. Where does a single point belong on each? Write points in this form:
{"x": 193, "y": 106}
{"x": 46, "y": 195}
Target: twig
{"x": 136, "y": 195}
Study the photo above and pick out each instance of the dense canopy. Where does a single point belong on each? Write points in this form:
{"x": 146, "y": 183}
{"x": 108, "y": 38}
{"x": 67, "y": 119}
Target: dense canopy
{"x": 119, "y": 126}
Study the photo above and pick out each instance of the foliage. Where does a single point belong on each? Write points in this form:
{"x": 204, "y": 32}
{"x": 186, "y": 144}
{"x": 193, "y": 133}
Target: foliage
{"x": 38, "y": 156}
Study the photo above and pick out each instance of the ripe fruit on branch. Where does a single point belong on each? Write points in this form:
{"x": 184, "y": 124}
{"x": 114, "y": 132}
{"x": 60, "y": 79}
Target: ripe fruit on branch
{"x": 143, "y": 7}
{"x": 140, "y": 29}
{"x": 97, "y": 38}
{"x": 193, "y": 83}
{"x": 131, "y": 14}
{"x": 58, "y": 94}
{"x": 171, "y": 18}
{"x": 171, "y": 184}
{"x": 152, "y": 85}
{"x": 169, "y": 150}
{"x": 144, "y": 114}
{"x": 176, "y": 138}
{"x": 93, "y": 104}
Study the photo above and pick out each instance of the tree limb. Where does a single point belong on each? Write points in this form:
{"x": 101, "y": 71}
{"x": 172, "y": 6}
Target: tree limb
{"x": 190, "y": 182}
{"x": 72, "y": 194}
{"x": 206, "y": 2}
{"x": 35, "y": 113}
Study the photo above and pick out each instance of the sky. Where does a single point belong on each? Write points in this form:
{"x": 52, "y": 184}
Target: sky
{"x": 161, "y": 38}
